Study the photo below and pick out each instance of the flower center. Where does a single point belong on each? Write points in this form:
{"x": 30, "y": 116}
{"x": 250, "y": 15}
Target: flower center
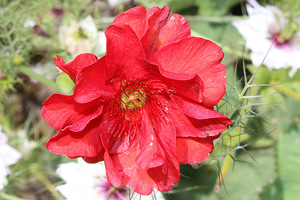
{"x": 133, "y": 98}
{"x": 280, "y": 40}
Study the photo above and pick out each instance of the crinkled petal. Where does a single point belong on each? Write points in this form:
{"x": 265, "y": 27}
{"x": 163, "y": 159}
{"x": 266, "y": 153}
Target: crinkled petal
{"x": 61, "y": 111}
{"x": 125, "y": 55}
{"x": 194, "y": 120}
{"x": 193, "y": 150}
{"x": 75, "y": 66}
{"x": 144, "y": 181}
{"x": 189, "y": 89}
{"x": 116, "y": 130}
{"x": 114, "y": 177}
{"x": 95, "y": 159}
{"x": 92, "y": 82}
{"x": 85, "y": 143}
{"x": 164, "y": 30}
{"x": 196, "y": 56}
{"x": 135, "y": 18}
{"x": 151, "y": 159}
{"x": 152, "y": 154}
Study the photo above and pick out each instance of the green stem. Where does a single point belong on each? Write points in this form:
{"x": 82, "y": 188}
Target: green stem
{"x": 229, "y": 157}
{"x": 5, "y": 196}
{"x": 36, "y": 171}
{"x": 287, "y": 91}
{"x": 42, "y": 79}
{"x": 224, "y": 171}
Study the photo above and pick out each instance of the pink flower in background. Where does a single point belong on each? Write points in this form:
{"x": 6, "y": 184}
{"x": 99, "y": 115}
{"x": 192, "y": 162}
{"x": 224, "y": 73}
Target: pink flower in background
{"x": 264, "y": 27}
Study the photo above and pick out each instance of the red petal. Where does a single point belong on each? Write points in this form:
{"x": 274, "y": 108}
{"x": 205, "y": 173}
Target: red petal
{"x": 152, "y": 154}
{"x": 92, "y": 83}
{"x": 144, "y": 181}
{"x": 143, "y": 166}
{"x": 135, "y": 18}
{"x": 200, "y": 122}
{"x": 188, "y": 89}
{"x": 95, "y": 159}
{"x": 117, "y": 132}
{"x": 85, "y": 143}
{"x": 193, "y": 150}
{"x": 112, "y": 174}
{"x": 61, "y": 111}
{"x": 75, "y": 66}
{"x": 151, "y": 11}
{"x": 125, "y": 55}
{"x": 196, "y": 56}
{"x": 164, "y": 30}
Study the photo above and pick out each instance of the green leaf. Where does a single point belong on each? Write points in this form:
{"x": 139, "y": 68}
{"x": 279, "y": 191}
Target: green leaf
{"x": 281, "y": 75}
{"x": 242, "y": 181}
{"x": 245, "y": 179}
{"x": 177, "y": 5}
{"x": 272, "y": 191}
{"x": 263, "y": 75}
{"x": 65, "y": 82}
{"x": 150, "y": 3}
{"x": 286, "y": 185}
{"x": 215, "y": 8}
{"x": 296, "y": 75}
{"x": 288, "y": 152}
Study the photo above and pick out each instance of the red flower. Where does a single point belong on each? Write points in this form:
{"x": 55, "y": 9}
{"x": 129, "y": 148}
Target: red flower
{"x": 146, "y": 106}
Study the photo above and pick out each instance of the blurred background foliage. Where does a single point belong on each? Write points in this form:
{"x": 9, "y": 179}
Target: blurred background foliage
{"x": 256, "y": 158}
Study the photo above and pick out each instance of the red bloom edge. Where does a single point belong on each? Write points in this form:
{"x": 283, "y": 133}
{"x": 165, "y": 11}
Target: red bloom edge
{"x": 146, "y": 106}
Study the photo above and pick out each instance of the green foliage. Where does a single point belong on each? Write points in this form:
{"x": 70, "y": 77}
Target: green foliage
{"x": 285, "y": 186}
{"x": 215, "y": 8}
{"x": 65, "y": 82}
{"x": 151, "y": 3}
{"x": 14, "y": 37}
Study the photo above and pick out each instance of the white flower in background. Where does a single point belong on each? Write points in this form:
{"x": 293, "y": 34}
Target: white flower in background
{"x": 82, "y": 37}
{"x": 8, "y": 156}
{"x": 88, "y": 181}
{"x": 266, "y": 26}
{"x": 116, "y": 3}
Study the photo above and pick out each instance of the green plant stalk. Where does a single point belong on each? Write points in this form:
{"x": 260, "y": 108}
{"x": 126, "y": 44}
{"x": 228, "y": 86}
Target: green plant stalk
{"x": 224, "y": 171}
{"x": 42, "y": 79}
{"x": 229, "y": 157}
{"x": 287, "y": 91}
{"x": 5, "y": 196}
{"x": 45, "y": 181}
